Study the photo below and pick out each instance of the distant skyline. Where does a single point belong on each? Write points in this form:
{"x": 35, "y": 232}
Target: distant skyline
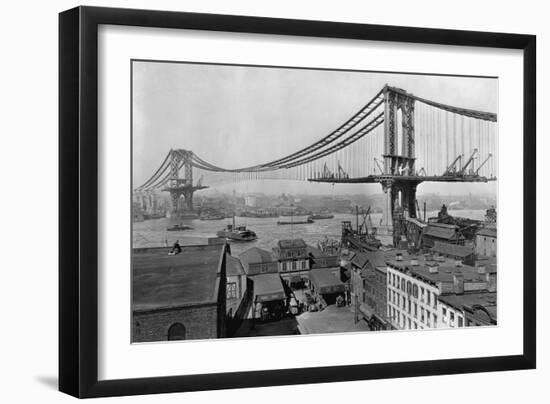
{"x": 235, "y": 116}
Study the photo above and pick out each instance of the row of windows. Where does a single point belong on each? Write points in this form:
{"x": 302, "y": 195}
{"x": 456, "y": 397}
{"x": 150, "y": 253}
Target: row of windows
{"x": 460, "y": 320}
{"x": 294, "y": 265}
{"x": 412, "y": 289}
{"x": 408, "y": 322}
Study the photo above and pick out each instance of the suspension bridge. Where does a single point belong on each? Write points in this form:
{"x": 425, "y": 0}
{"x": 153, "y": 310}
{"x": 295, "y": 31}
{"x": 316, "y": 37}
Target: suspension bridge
{"x": 397, "y": 139}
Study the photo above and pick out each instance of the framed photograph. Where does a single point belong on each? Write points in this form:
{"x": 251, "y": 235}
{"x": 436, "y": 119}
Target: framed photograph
{"x": 251, "y": 201}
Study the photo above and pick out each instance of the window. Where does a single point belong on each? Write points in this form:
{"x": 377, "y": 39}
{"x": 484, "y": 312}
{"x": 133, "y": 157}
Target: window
{"x": 403, "y": 285}
{"x": 415, "y": 310}
{"x": 435, "y": 320}
{"x": 231, "y": 290}
{"x": 404, "y": 303}
{"x": 435, "y": 301}
{"x": 409, "y": 323}
{"x": 415, "y": 326}
{"x": 409, "y": 287}
{"x": 444, "y": 311}
{"x": 452, "y": 316}
{"x": 429, "y": 297}
{"x": 409, "y": 308}
{"x": 284, "y": 266}
{"x": 422, "y": 293}
{"x": 422, "y": 314}
{"x": 415, "y": 291}
{"x": 460, "y": 322}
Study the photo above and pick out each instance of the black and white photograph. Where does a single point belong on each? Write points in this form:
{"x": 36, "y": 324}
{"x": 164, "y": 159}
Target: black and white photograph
{"x": 271, "y": 201}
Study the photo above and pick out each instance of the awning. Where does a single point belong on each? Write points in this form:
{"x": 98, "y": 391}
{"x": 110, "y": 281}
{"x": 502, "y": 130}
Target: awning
{"x": 268, "y": 287}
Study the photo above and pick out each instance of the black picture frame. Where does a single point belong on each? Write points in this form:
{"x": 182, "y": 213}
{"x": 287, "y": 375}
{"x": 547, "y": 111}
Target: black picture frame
{"x": 78, "y": 200}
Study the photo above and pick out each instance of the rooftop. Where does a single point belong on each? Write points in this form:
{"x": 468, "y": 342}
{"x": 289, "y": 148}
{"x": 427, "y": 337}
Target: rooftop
{"x": 292, "y": 243}
{"x": 255, "y": 255}
{"x": 487, "y": 300}
{"x": 160, "y": 280}
{"x": 440, "y": 230}
{"x": 452, "y": 249}
{"x": 233, "y": 265}
{"x": 487, "y": 231}
{"x": 267, "y": 284}
{"x": 446, "y": 268}
{"x": 324, "y": 277}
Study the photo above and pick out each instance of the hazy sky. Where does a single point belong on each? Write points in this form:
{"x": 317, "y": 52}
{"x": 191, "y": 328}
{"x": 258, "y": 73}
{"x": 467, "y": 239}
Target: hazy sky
{"x": 236, "y": 116}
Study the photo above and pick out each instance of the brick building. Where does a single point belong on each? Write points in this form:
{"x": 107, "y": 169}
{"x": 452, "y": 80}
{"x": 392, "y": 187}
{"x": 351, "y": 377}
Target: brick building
{"x": 179, "y": 296}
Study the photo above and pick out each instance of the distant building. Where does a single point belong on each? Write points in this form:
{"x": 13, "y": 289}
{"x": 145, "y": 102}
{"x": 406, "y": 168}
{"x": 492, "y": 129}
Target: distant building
{"x": 293, "y": 260}
{"x": 446, "y": 233}
{"x": 251, "y": 201}
{"x": 486, "y": 242}
{"x": 179, "y": 296}
{"x": 465, "y": 254}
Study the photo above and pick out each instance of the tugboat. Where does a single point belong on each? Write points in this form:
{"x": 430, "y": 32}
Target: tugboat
{"x": 237, "y": 233}
{"x": 179, "y": 227}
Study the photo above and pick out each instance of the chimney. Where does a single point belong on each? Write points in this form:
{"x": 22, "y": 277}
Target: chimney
{"x": 433, "y": 267}
{"x": 458, "y": 283}
{"x": 399, "y": 257}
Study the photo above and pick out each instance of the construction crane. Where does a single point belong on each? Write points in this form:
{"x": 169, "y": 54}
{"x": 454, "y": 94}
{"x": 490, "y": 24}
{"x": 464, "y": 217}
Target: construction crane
{"x": 483, "y": 163}
{"x": 451, "y": 169}
{"x": 462, "y": 171}
{"x": 341, "y": 173}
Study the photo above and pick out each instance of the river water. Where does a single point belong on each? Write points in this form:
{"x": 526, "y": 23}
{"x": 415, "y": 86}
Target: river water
{"x": 152, "y": 233}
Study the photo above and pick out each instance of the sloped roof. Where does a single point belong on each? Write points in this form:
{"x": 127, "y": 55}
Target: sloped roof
{"x": 452, "y": 249}
{"x": 439, "y": 230}
{"x": 360, "y": 259}
{"x": 488, "y": 231}
{"x": 233, "y": 265}
{"x": 255, "y": 255}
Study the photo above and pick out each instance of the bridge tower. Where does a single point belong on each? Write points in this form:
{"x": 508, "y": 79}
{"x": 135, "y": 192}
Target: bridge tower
{"x": 181, "y": 187}
{"x": 399, "y": 180}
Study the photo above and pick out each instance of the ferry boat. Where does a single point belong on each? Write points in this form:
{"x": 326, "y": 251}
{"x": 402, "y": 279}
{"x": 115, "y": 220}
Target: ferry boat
{"x": 237, "y": 233}
{"x": 179, "y": 227}
{"x": 258, "y": 214}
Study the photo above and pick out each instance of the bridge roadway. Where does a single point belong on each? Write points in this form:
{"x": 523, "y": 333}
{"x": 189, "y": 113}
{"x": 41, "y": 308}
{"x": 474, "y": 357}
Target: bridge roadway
{"x": 409, "y": 178}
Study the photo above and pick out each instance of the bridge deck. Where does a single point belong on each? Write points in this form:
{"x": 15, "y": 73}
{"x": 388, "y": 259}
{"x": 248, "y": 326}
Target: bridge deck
{"x": 411, "y": 178}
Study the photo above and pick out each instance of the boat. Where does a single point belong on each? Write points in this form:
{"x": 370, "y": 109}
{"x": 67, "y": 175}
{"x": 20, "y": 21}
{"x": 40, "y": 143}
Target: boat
{"x": 320, "y": 216}
{"x": 212, "y": 217}
{"x": 258, "y": 214}
{"x": 237, "y": 233}
{"x": 307, "y": 221}
{"x": 179, "y": 227}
